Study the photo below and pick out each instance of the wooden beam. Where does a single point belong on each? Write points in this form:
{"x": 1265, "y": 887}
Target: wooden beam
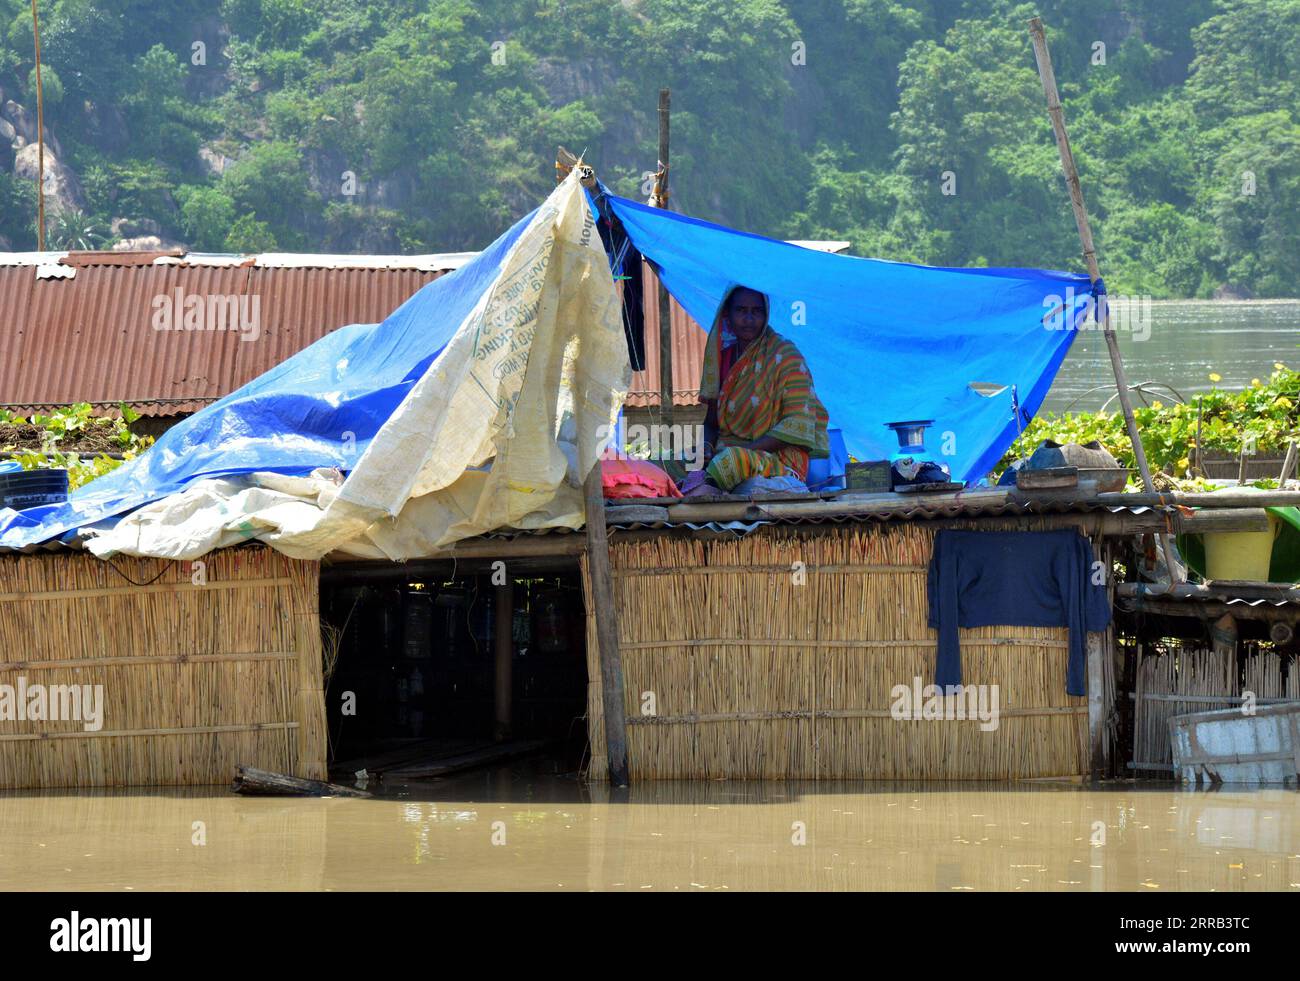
{"x": 250, "y": 780}
{"x": 1102, "y": 311}
{"x": 689, "y": 510}
{"x": 156, "y": 661}
{"x": 1090, "y": 523}
{"x": 602, "y": 601}
{"x": 157, "y": 587}
{"x": 1216, "y": 499}
{"x": 443, "y": 569}
{"x": 691, "y": 720}
{"x": 1223, "y": 519}
{"x": 557, "y": 544}
{"x": 1209, "y": 499}
{"x": 1208, "y": 610}
{"x": 167, "y": 731}
{"x": 1262, "y": 590}
{"x": 828, "y": 645}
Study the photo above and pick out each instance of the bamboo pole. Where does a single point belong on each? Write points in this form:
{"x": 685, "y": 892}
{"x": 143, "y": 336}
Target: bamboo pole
{"x": 1048, "y": 78}
{"x": 1215, "y": 499}
{"x": 602, "y": 598}
{"x": 40, "y": 136}
{"x": 1223, "y": 519}
{"x": 665, "y": 306}
{"x": 1262, "y": 590}
{"x": 1096, "y": 705}
{"x": 1200, "y": 459}
{"x": 1288, "y": 464}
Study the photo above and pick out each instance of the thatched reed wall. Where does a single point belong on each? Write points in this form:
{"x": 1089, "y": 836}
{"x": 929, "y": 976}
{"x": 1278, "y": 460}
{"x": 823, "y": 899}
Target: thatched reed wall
{"x": 756, "y": 676}
{"x": 196, "y": 678}
{"x": 1177, "y": 677}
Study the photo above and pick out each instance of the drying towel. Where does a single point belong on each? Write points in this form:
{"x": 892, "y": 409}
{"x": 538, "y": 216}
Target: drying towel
{"x": 1018, "y": 578}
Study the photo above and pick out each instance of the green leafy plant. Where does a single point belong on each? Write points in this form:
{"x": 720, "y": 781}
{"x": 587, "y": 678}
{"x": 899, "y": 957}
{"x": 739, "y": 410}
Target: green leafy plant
{"x": 1265, "y": 412}
{"x": 72, "y": 438}
{"x": 72, "y": 231}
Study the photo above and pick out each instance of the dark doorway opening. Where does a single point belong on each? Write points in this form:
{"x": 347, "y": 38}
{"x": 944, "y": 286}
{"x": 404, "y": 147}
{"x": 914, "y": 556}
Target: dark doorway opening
{"x": 430, "y": 674}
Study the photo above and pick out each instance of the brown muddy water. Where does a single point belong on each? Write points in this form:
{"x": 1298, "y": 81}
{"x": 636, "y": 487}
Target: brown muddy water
{"x": 511, "y": 829}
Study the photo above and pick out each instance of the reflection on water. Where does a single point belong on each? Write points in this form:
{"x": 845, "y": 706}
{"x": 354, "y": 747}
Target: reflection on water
{"x": 509, "y": 829}
{"x": 1187, "y": 339}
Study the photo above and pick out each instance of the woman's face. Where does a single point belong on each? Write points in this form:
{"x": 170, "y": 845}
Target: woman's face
{"x": 747, "y": 314}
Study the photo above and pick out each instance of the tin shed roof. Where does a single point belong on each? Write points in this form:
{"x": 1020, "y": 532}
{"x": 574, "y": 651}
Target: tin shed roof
{"x": 81, "y": 326}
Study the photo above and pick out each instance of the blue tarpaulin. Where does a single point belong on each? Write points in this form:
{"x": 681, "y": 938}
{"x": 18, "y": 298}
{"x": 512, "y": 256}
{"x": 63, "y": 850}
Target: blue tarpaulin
{"x": 319, "y": 408}
{"x": 885, "y": 341}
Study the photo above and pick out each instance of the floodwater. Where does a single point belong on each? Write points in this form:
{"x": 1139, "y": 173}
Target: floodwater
{"x": 1180, "y": 344}
{"x": 510, "y": 828}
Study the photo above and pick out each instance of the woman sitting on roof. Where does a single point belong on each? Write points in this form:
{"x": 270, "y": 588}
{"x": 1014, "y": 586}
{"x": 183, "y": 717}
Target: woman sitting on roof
{"x": 762, "y": 417}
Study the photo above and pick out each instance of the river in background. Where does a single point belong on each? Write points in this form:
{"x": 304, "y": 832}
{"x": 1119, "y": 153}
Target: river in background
{"x": 1188, "y": 339}
{"x": 518, "y": 828}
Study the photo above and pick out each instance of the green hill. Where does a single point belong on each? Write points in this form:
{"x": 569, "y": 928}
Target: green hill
{"x": 429, "y": 125}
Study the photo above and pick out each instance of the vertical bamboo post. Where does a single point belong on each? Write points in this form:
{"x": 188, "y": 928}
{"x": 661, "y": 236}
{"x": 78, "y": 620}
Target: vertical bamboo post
{"x": 40, "y": 136}
{"x": 1101, "y": 695}
{"x": 311, "y": 750}
{"x": 1200, "y": 460}
{"x": 601, "y": 594}
{"x": 1096, "y": 706}
{"x": 1288, "y": 464}
{"x": 503, "y": 645}
{"x": 1048, "y": 78}
{"x": 602, "y": 600}
{"x": 665, "y": 307}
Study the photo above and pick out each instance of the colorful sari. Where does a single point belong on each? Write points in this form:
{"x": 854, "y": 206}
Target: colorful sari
{"x": 766, "y": 391}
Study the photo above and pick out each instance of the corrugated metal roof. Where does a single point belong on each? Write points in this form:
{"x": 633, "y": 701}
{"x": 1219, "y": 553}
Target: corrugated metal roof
{"x": 688, "y": 353}
{"x": 85, "y": 259}
{"x": 90, "y": 338}
{"x": 984, "y": 504}
{"x": 1230, "y": 594}
{"x": 432, "y": 262}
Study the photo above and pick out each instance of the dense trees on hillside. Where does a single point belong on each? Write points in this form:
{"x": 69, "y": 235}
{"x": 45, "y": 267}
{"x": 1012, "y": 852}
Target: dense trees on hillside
{"x": 914, "y": 128}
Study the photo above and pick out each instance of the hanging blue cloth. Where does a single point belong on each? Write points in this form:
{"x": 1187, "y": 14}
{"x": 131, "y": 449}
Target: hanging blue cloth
{"x": 1015, "y": 578}
{"x": 886, "y": 341}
